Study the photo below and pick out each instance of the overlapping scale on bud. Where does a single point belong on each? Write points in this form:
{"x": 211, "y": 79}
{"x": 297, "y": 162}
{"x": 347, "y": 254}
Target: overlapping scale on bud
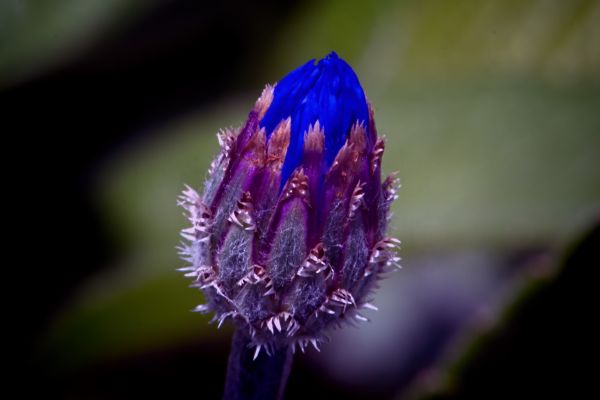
{"x": 289, "y": 235}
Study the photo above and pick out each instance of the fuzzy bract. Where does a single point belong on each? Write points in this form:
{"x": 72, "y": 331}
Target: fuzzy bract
{"x": 289, "y": 235}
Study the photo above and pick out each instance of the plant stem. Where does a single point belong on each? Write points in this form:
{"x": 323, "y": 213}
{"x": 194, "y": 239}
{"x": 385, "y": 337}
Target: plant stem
{"x": 264, "y": 378}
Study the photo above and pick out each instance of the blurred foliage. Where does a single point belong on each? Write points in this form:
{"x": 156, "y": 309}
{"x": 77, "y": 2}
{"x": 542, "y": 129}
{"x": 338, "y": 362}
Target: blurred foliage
{"x": 35, "y": 35}
{"x": 491, "y": 114}
{"x": 143, "y": 302}
{"x": 546, "y": 309}
{"x": 392, "y": 41}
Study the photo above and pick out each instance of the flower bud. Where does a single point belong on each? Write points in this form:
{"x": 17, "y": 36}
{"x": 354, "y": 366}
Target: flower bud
{"x": 288, "y": 237}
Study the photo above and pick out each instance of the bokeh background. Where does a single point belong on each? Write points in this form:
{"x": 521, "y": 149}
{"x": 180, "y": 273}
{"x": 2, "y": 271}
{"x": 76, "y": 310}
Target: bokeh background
{"x": 491, "y": 111}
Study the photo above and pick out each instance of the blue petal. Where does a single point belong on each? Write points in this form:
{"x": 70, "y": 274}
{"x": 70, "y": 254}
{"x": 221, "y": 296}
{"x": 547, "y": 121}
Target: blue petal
{"x": 328, "y": 92}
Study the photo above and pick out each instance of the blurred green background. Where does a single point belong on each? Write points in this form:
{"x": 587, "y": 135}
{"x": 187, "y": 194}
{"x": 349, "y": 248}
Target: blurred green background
{"x": 491, "y": 113}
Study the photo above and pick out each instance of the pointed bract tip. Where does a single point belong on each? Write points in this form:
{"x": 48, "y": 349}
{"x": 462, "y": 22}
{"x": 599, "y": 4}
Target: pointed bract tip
{"x": 255, "y": 149}
{"x": 358, "y": 136}
{"x": 377, "y": 154}
{"x": 264, "y": 101}
{"x": 278, "y": 143}
{"x": 314, "y": 139}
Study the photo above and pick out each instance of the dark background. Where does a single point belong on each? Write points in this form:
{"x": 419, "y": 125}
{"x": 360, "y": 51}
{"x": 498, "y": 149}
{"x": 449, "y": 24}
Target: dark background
{"x": 97, "y": 105}
{"x": 173, "y": 57}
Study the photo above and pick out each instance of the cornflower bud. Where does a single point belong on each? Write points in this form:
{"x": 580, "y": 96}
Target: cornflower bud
{"x": 289, "y": 235}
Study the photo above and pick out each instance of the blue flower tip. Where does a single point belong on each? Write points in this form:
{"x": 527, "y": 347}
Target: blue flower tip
{"x": 327, "y": 91}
